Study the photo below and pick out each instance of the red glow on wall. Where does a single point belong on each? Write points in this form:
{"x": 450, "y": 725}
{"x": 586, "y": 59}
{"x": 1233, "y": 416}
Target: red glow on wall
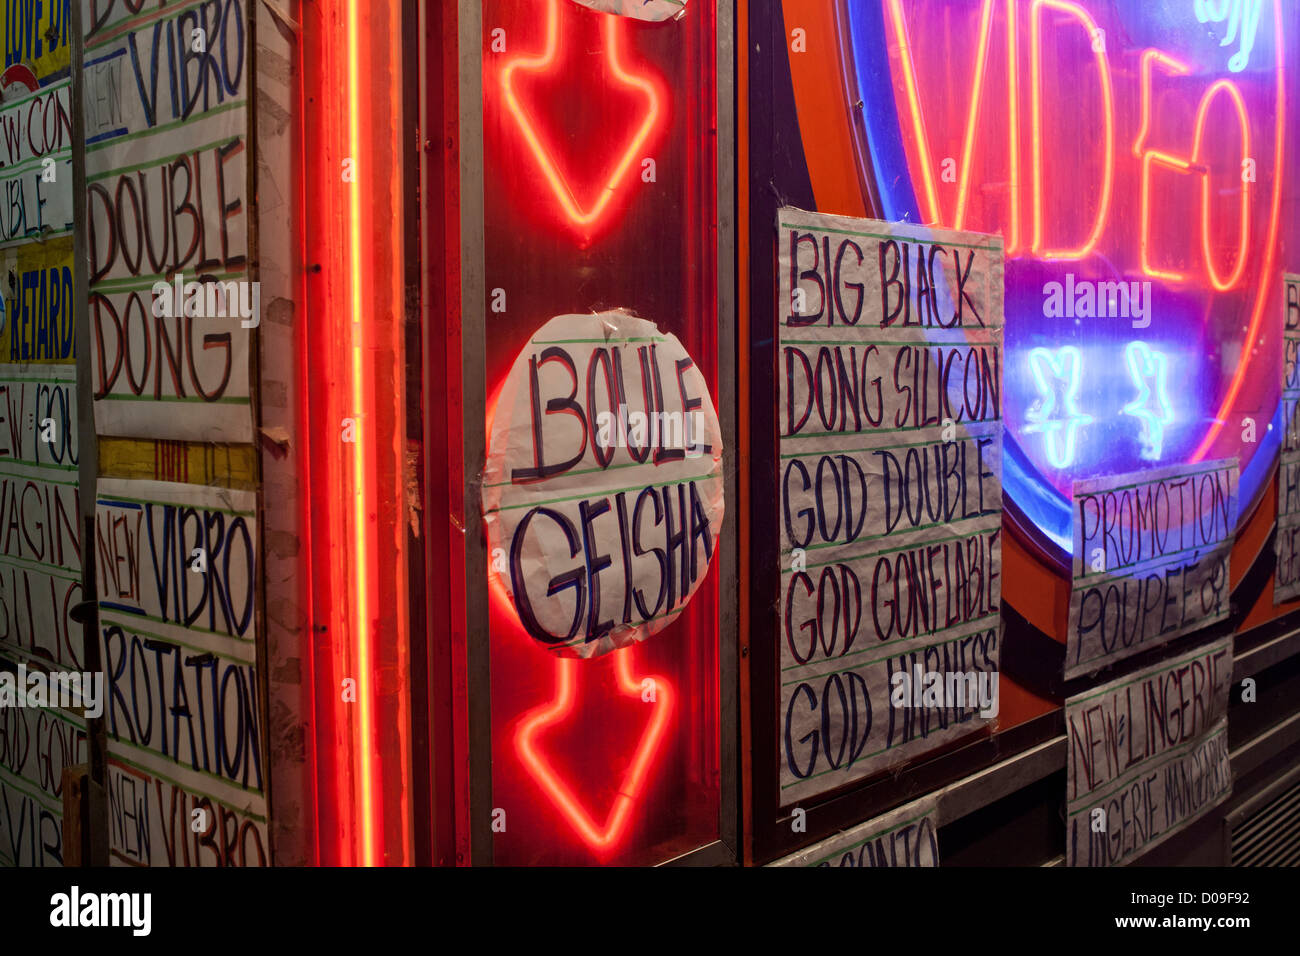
{"x": 583, "y": 209}
{"x": 351, "y": 255}
{"x": 604, "y": 838}
{"x": 574, "y": 102}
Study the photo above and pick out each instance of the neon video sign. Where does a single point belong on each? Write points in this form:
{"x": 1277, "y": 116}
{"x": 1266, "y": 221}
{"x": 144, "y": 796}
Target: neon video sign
{"x": 1134, "y": 147}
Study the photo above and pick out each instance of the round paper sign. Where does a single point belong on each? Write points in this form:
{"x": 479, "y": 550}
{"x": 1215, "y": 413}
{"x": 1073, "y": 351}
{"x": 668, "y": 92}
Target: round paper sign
{"x": 653, "y": 10}
{"x": 602, "y": 492}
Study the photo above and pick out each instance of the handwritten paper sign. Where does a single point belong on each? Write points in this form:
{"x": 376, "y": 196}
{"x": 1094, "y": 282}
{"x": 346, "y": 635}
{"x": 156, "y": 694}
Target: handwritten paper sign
{"x": 178, "y": 567}
{"x": 39, "y": 320}
{"x": 907, "y": 836}
{"x": 1286, "y": 543}
{"x": 155, "y": 821}
{"x": 653, "y": 10}
{"x": 36, "y": 170}
{"x": 37, "y": 35}
{"x": 166, "y": 201}
{"x": 1150, "y": 559}
{"x": 40, "y": 553}
{"x": 890, "y": 500}
{"x": 36, "y": 744}
{"x": 1148, "y": 754}
{"x": 602, "y": 490}
{"x": 178, "y": 555}
{"x": 40, "y": 524}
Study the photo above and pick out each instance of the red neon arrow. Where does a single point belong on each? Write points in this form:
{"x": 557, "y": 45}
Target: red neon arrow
{"x": 601, "y": 838}
{"x": 583, "y": 217}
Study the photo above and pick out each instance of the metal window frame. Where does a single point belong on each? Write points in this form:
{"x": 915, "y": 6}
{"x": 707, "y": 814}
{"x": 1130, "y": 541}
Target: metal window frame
{"x": 478, "y": 757}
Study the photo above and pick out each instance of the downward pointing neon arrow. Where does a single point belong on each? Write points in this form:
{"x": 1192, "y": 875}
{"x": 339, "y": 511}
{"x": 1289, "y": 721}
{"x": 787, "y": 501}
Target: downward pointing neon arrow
{"x": 602, "y": 838}
{"x": 580, "y": 216}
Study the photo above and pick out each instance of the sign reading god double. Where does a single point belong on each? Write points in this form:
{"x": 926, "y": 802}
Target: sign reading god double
{"x": 889, "y": 510}
{"x": 1150, "y": 559}
{"x": 603, "y": 488}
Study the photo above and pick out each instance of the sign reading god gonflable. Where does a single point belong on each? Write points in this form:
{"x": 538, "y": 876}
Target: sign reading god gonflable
{"x": 889, "y": 508}
{"x": 1150, "y": 559}
{"x": 1286, "y": 576}
{"x": 905, "y": 837}
{"x": 1148, "y": 754}
{"x": 603, "y": 488}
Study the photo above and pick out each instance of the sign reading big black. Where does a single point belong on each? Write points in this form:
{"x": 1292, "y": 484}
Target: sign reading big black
{"x": 890, "y": 495}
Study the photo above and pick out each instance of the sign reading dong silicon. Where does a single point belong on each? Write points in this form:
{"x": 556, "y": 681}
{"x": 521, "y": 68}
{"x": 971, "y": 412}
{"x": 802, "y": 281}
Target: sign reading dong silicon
{"x": 603, "y": 491}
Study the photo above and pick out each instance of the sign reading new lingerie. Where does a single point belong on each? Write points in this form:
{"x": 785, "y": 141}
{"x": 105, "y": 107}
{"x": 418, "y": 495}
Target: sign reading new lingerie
{"x": 1148, "y": 754}
{"x": 890, "y": 496}
{"x": 1150, "y": 559}
{"x": 1286, "y": 577}
{"x": 602, "y": 491}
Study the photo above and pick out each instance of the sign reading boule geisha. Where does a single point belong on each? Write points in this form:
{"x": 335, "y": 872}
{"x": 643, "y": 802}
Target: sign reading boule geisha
{"x": 603, "y": 489}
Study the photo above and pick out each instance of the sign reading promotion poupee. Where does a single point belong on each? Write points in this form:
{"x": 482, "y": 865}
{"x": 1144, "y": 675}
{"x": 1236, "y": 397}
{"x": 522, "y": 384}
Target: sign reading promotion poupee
{"x": 889, "y": 510}
{"x": 1150, "y": 559}
{"x": 603, "y": 488}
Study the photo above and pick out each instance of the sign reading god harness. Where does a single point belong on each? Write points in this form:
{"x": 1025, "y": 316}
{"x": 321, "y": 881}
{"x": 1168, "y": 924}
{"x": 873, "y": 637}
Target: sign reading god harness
{"x": 889, "y": 507}
{"x": 603, "y": 491}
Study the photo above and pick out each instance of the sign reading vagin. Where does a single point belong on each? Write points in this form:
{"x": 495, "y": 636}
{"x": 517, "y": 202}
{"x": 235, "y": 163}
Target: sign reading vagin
{"x": 906, "y": 837}
{"x": 1150, "y": 559}
{"x": 602, "y": 491}
{"x": 1286, "y": 576}
{"x": 1148, "y": 754}
{"x": 890, "y": 497}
